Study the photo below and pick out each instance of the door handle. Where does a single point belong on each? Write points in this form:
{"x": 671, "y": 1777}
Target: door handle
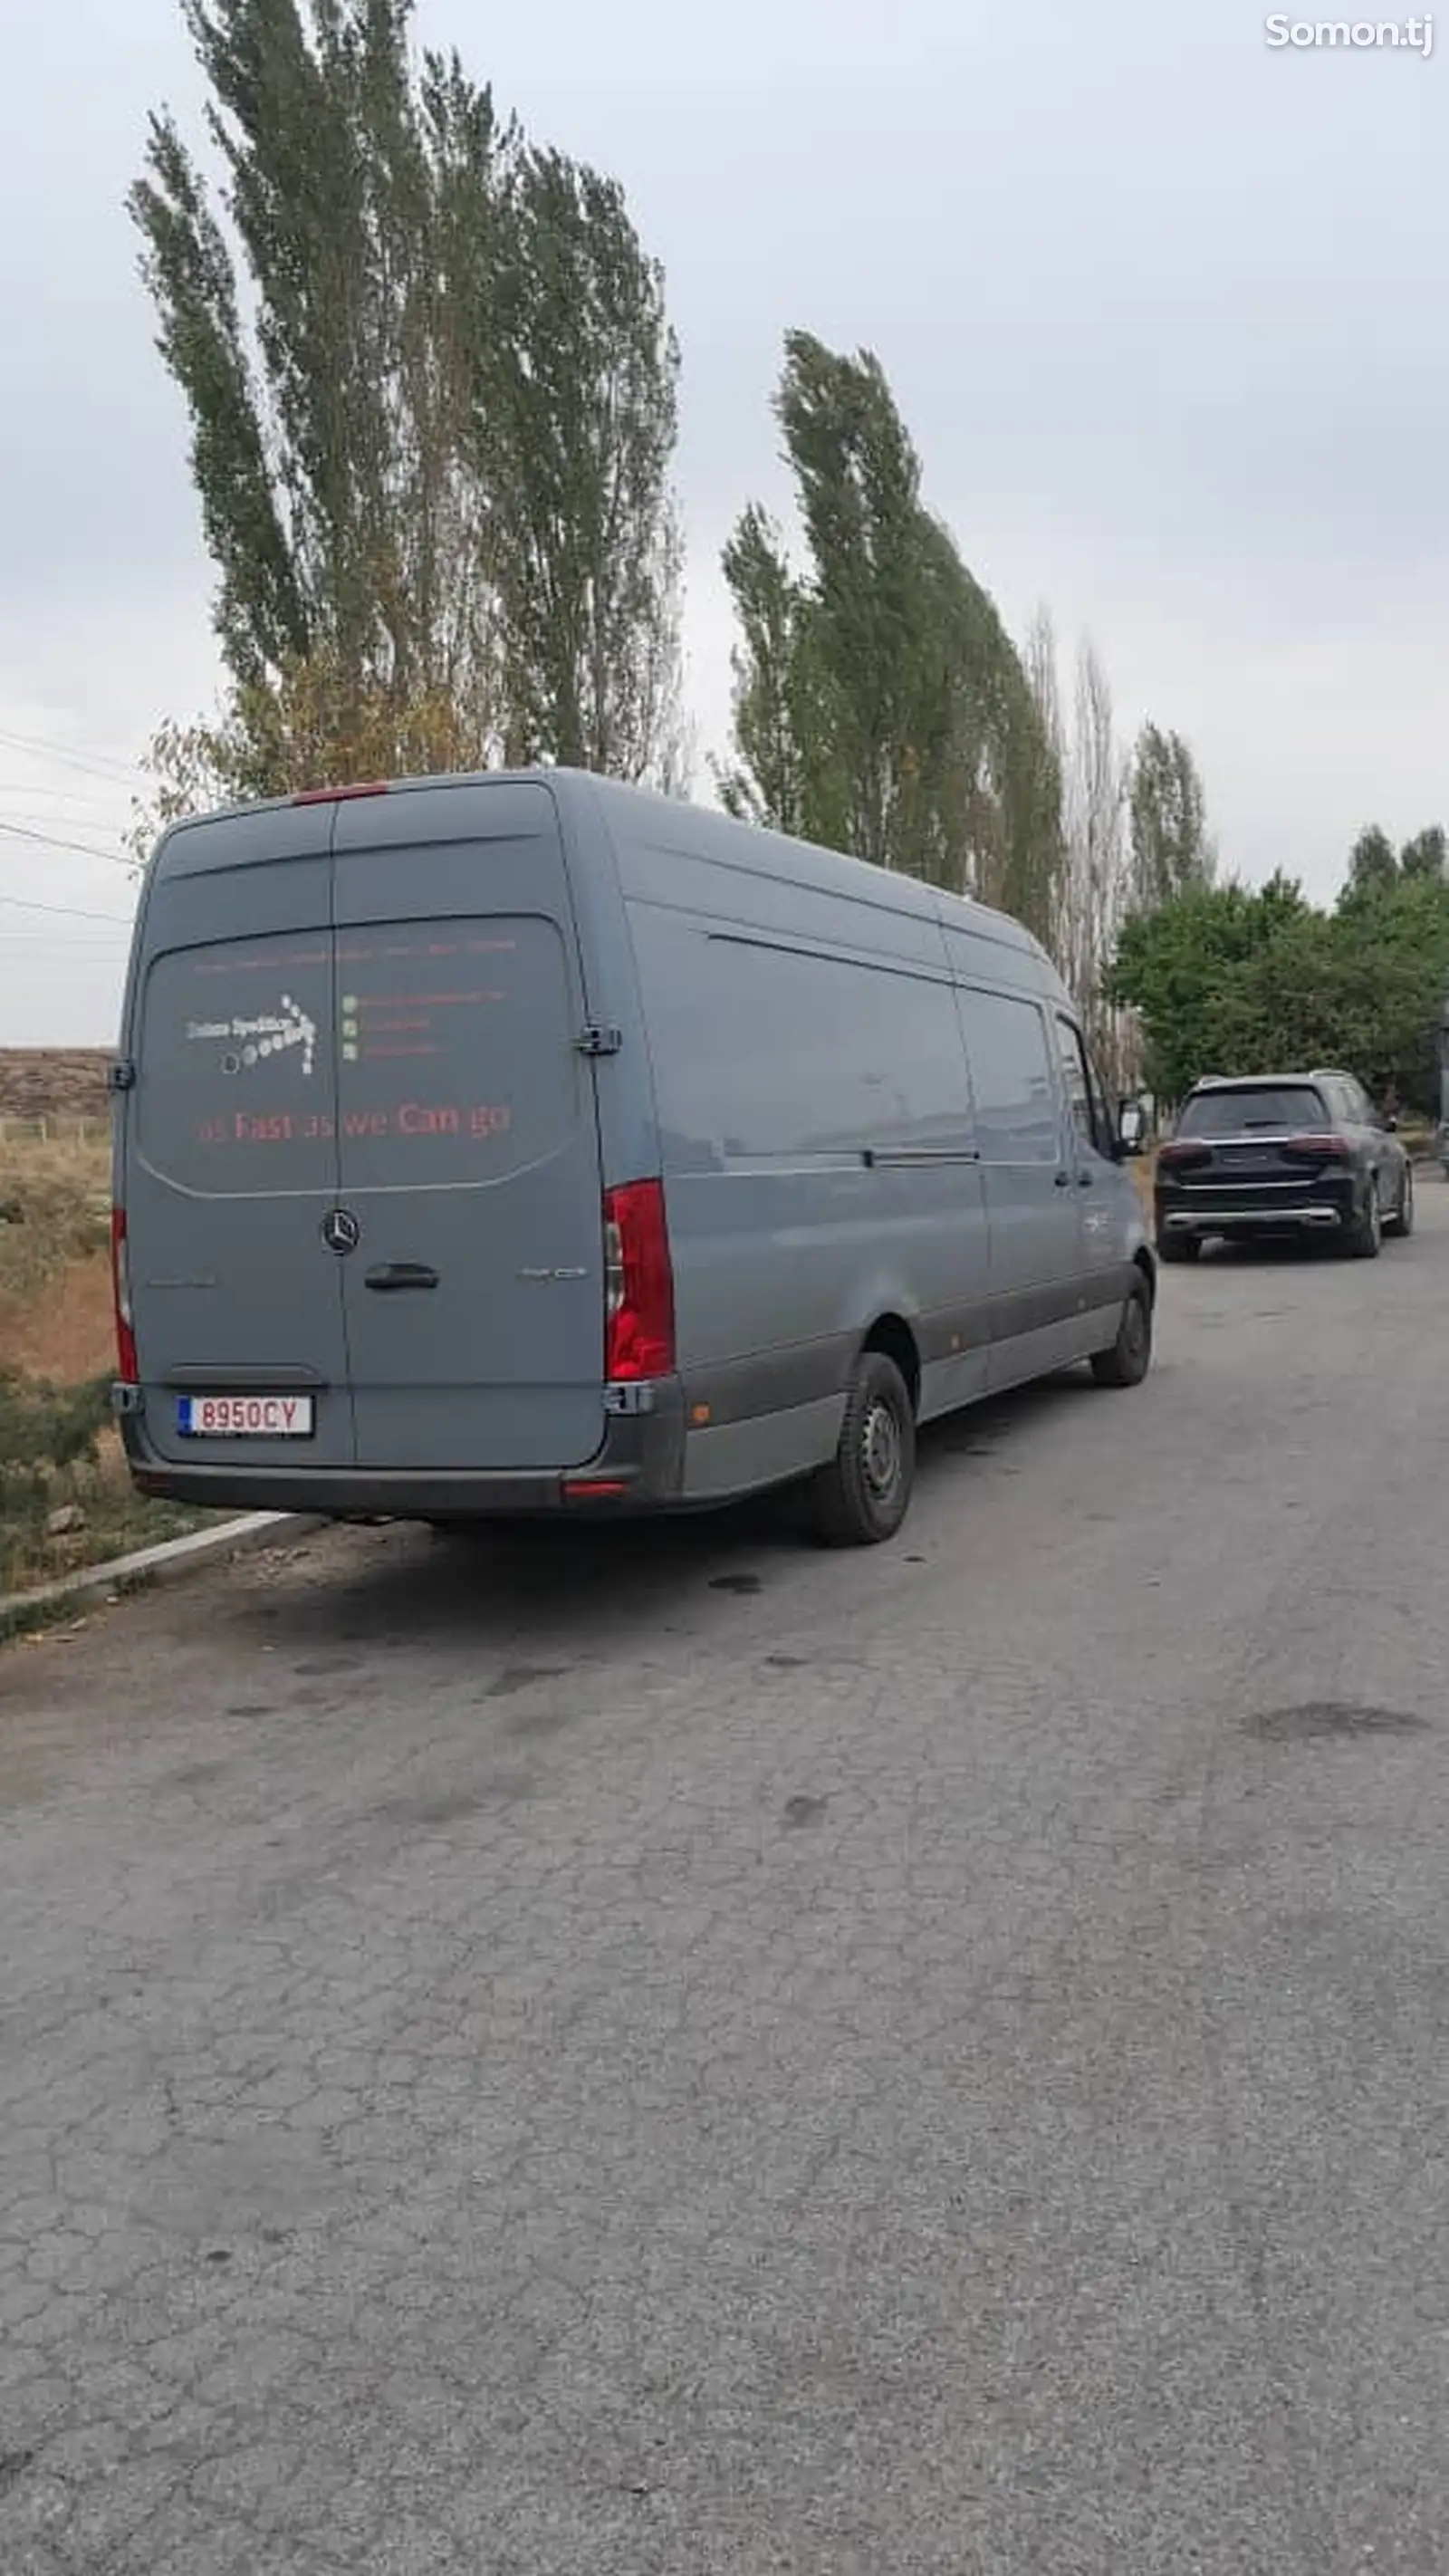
{"x": 1084, "y": 1180}
{"x": 1061, "y": 1181}
{"x": 392, "y": 1276}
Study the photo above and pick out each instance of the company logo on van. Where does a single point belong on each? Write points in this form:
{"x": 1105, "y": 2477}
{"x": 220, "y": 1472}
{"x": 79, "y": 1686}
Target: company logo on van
{"x": 340, "y": 1230}
{"x": 251, "y": 1041}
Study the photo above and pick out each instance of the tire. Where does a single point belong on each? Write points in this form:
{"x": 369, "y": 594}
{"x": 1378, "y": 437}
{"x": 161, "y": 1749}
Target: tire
{"x": 1130, "y": 1357}
{"x": 1365, "y": 1236}
{"x": 1180, "y": 1247}
{"x": 1401, "y": 1223}
{"x": 863, "y": 1496}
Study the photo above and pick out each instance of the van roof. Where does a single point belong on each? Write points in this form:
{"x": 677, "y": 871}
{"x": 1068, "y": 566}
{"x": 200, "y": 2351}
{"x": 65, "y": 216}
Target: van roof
{"x": 830, "y": 870}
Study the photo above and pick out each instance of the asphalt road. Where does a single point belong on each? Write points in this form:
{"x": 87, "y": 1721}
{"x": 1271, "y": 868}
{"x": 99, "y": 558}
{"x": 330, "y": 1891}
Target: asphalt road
{"x": 684, "y": 2056}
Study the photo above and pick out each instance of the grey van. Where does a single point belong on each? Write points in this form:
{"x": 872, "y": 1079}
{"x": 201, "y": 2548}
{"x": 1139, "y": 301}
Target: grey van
{"x": 529, "y": 1143}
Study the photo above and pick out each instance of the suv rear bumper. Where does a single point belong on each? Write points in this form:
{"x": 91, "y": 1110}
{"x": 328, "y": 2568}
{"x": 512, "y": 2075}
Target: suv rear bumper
{"x": 1321, "y": 1210}
{"x": 641, "y": 1462}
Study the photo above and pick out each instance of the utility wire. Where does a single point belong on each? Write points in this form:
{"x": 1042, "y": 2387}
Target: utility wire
{"x": 62, "y": 911}
{"x": 57, "y": 841}
{"x": 94, "y": 764}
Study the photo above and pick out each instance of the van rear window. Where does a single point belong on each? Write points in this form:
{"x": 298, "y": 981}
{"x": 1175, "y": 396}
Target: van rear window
{"x": 237, "y": 1091}
{"x": 394, "y": 1055}
{"x": 455, "y": 1053}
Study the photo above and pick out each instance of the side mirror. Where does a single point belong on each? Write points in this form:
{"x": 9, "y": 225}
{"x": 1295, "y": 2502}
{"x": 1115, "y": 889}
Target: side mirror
{"x": 1131, "y": 1126}
{"x": 1391, "y": 1126}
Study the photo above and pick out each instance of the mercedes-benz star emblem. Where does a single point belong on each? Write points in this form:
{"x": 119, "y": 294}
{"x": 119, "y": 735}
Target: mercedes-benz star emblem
{"x": 340, "y": 1230}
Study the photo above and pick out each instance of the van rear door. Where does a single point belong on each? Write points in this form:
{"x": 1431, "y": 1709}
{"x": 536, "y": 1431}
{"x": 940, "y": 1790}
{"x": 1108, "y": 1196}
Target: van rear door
{"x": 228, "y": 1160}
{"x": 467, "y": 1135}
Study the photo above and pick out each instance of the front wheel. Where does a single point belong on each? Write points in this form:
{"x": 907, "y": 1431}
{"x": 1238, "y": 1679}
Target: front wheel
{"x": 1130, "y": 1357}
{"x": 1402, "y": 1220}
{"x": 863, "y": 1496}
{"x": 1179, "y": 1247}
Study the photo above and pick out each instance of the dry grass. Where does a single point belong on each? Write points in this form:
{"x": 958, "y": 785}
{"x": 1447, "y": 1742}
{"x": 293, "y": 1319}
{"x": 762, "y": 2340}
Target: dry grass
{"x": 56, "y": 1331}
{"x": 55, "y": 1298}
{"x": 114, "y": 1521}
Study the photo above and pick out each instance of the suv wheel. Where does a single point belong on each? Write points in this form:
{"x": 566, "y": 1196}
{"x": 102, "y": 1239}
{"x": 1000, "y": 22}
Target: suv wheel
{"x": 1402, "y": 1220}
{"x": 1366, "y": 1234}
{"x": 1179, "y": 1247}
{"x": 863, "y": 1496}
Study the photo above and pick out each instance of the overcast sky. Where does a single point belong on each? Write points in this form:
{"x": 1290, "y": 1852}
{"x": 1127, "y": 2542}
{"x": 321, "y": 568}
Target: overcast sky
{"x": 1163, "y": 307}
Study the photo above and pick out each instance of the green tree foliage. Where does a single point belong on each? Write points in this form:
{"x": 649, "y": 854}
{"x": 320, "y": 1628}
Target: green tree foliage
{"x": 431, "y": 390}
{"x": 1170, "y": 845}
{"x": 1372, "y": 861}
{"x": 880, "y": 705}
{"x": 788, "y": 774}
{"x": 1227, "y": 981}
{"x": 1426, "y": 854}
{"x": 576, "y": 447}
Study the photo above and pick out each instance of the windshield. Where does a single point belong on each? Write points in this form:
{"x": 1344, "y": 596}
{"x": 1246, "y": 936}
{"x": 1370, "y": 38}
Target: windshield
{"x": 1256, "y": 1109}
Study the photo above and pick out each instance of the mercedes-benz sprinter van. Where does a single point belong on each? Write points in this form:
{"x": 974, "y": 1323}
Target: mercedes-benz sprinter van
{"x": 525, "y": 1142}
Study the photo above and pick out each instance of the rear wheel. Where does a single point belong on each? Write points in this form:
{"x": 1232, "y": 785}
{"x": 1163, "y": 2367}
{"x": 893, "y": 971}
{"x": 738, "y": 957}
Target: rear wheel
{"x": 1366, "y": 1234}
{"x": 1180, "y": 1247}
{"x": 1130, "y": 1357}
{"x": 1402, "y": 1220}
{"x": 863, "y": 1496}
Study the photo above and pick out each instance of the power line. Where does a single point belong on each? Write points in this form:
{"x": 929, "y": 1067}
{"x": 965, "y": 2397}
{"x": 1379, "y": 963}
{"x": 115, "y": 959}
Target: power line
{"x": 103, "y": 793}
{"x": 95, "y": 764}
{"x": 56, "y": 841}
{"x": 62, "y": 911}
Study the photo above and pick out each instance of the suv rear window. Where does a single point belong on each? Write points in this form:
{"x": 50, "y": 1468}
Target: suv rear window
{"x": 1258, "y": 1109}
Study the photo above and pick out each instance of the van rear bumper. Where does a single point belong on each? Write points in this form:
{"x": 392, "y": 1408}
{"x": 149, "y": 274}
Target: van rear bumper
{"x": 641, "y": 1464}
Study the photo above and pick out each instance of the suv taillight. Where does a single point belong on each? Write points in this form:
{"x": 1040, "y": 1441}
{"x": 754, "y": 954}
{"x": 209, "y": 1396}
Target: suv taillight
{"x": 1318, "y": 1149}
{"x": 639, "y": 1340}
{"x": 121, "y": 1289}
{"x": 1183, "y": 1152}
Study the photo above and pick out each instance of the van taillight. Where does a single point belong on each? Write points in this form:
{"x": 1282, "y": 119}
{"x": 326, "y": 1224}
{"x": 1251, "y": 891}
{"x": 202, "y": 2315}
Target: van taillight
{"x": 121, "y": 1287}
{"x": 639, "y": 1284}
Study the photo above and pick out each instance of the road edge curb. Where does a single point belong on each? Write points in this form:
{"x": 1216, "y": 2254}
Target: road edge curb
{"x": 151, "y": 1565}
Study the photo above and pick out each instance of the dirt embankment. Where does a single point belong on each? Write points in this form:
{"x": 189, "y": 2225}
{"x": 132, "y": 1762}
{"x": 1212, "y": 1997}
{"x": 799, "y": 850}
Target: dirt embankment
{"x": 62, "y": 1083}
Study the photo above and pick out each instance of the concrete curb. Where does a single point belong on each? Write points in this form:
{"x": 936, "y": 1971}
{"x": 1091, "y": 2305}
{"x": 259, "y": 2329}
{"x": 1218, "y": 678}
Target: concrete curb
{"x": 163, "y": 1564}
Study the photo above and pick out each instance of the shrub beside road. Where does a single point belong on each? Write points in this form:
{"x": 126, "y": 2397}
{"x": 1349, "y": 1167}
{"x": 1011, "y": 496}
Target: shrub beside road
{"x": 65, "y": 1497}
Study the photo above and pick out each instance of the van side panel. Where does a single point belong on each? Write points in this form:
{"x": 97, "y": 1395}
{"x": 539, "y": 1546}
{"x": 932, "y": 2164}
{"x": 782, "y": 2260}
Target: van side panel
{"x": 817, "y": 1142}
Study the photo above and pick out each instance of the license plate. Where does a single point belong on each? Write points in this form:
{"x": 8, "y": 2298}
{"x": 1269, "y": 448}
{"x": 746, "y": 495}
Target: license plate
{"x": 245, "y": 1417}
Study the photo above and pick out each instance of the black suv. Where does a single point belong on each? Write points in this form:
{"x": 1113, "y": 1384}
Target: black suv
{"x": 1281, "y": 1154}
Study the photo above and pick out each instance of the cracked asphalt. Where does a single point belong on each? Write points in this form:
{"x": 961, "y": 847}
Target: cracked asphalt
{"x": 677, "y": 2055}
